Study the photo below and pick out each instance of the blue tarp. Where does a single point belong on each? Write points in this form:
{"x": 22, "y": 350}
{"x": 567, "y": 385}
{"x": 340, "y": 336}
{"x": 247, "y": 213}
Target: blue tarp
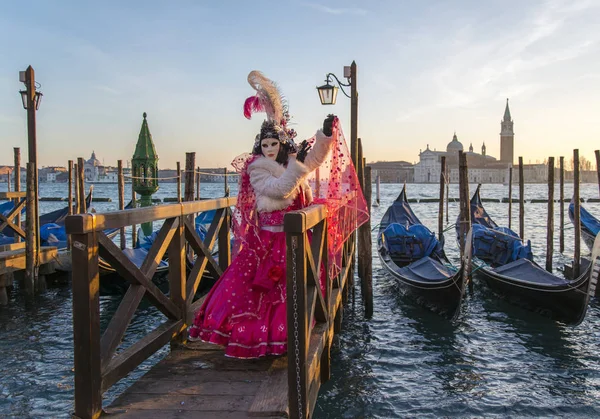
{"x": 410, "y": 243}
{"x": 588, "y": 221}
{"x": 499, "y": 246}
{"x": 53, "y": 235}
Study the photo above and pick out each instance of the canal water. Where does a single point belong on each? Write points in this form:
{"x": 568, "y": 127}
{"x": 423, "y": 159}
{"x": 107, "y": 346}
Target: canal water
{"x": 497, "y": 360}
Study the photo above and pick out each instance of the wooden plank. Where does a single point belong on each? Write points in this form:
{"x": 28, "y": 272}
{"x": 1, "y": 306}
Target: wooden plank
{"x": 159, "y": 247}
{"x": 119, "y": 322}
{"x": 200, "y": 248}
{"x": 127, "y": 269}
{"x": 12, "y": 195}
{"x": 191, "y": 386}
{"x": 272, "y": 395}
{"x": 122, "y": 413}
{"x": 184, "y": 402}
{"x": 311, "y": 216}
{"x": 116, "y": 219}
{"x": 15, "y": 260}
{"x": 133, "y": 356}
{"x": 313, "y": 281}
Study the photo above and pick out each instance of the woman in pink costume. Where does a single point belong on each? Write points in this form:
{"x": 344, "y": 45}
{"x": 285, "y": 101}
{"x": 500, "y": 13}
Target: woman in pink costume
{"x": 246, "y": 309}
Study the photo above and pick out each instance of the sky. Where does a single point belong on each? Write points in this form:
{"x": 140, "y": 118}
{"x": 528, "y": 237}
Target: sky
{"x": 425, "y": 70}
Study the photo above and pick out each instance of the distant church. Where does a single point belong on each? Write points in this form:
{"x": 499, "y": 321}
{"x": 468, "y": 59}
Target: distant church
{"x": 482, "y": 168}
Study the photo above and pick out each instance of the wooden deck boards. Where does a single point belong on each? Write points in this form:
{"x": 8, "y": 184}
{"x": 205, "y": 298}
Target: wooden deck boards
{"x": 14, "y": 260}
{"x": 199, "y": 381}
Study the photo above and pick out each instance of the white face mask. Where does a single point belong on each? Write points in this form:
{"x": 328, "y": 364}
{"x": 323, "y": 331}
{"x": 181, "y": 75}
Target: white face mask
{"x": 270, "y": 148}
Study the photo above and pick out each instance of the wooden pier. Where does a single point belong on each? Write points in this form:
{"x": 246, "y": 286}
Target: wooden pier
{"x": 195, "y": 379}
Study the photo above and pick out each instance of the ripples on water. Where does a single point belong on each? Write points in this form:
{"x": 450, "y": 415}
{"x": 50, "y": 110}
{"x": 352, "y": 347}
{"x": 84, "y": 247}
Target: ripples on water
{"x": 497, "y": 360}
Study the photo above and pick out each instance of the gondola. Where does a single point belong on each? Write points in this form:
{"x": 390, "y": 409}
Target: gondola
{"x": 411, "y": 253}
{"x": 590, "y": 225}
{"x": 507, "y": 267}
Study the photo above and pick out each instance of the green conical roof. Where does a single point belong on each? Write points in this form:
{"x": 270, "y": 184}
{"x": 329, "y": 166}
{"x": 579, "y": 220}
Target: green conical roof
{"x": 507, "y": 112}
{"x": 144, "y": 148}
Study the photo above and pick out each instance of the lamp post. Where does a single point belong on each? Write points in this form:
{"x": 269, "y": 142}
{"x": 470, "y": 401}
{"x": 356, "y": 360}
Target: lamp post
{"x": 32, "y": 98}
{"x": 328, "y": 96}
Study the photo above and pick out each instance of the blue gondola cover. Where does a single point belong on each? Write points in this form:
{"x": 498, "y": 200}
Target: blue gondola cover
{"x": 410, "y": 243}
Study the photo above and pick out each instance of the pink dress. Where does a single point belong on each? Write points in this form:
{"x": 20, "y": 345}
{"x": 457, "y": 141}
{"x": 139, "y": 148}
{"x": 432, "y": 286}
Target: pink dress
{"x": 245, "y": 311}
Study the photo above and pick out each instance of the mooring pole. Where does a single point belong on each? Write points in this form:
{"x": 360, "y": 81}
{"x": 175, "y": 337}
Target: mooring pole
{"x": 550, "y": 226}
{"x": 121, "y": 187}
{"x": 198, "y": 183}
{"x": 521, "y": 200}
{"x": 577, "y": 215}
{"x": 179, "y": 182}
{"x": 597, "y": 153}
{"x": 441, "y": 206}
{"x": 510, "y": 197}
{"x": 17, "y": 180}
{"x": 561, "y": 233}
{"x": 367, "y": 280}
{"x": 465, "y": 205}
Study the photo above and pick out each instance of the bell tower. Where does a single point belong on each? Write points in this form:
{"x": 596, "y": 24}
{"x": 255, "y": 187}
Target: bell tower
{"x": 507, "y": 138}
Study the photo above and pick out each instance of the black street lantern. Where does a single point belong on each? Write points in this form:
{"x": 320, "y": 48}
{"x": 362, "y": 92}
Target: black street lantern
{"x": 328, "y": 92}
{"x": 37, "y": 99}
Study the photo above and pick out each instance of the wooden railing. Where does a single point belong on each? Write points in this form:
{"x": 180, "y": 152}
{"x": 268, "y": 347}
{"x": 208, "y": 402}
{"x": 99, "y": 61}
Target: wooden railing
{"x": 313, "y": 317}
{"x": 13, "y": 219}
{"x": 97, "y": 364}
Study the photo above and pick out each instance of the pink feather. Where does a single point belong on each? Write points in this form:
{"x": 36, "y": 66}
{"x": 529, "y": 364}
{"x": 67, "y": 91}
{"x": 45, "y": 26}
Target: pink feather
{"x": 252, "y": 105}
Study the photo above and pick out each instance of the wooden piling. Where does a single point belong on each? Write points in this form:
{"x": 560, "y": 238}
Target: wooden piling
{"x": 447, "y": 191}
{"x": 198, "y": 183}
{"x": 510, "y": 197}
{"x": 465, "y": 205}
{"x": 377, "y": 189}
{"x": 226, "y": 184}
{"x": 77, "y": 201}
{"x": 178, "y": 182}
{"x": 133, "y": 226}
{"x": 550, "y": 225}
{"x": 31, "y": 265}
{"x": 441, "y": 207}
{"x": 81, "y": 185}
{"x": 521, "y": 200}
{"x": 70, "y": 196}
{"x": 190, "y": 164}
{"x": 121, "y": 187}
{"x": 361, "y": 180}
{"x": 597, "y": 153}
{"x": 561, "y": 234}
{"x": 17, "y": 188}
{"x": 367, "y": 252}
{"x": 577, "y": 215}
{"x": 7, "y": 181}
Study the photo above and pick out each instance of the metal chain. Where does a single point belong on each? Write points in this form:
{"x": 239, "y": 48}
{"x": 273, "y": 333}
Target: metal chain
{"x": 296, "y": 341}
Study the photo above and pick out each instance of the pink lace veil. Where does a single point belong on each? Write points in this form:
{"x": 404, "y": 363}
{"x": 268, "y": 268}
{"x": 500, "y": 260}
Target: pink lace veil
{"x": 334, "y": 184}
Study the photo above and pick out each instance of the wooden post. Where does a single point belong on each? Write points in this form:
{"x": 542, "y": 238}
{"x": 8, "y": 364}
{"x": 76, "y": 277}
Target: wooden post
{"x": 121, "y": 188}
{"x": 297, "y": 320}
{"x": 550, "y": 229}
{"x": 17, "y": 180}
{"x": 561, "y": 234}
{"x": 133, "y": 226}
{"x": 31, "y": 265}
{"x": 178, "y": 182}
{"x": 198, "y": 183}
{"x": 510, "y": 197}
{"x": 521, "y": 200}
{"x": 224, "y": 241}
{"x": 361, "y": 180}
{"x": 377, "y": 189}
{"x": 81, "y": 185}
{"x": 366, "y": 249}
{"x": 70, "y": 195}
{"x": 577, "y": 214}
{"x": 353, "y": 115}
{"x": 226, "y": 184}
{"x": 32, "y": 154}
{"x": 190, "y": 164}
{"x": 77, "y": 201}
{"x": 597, "y": 153}
{"x": 7, "y": 181}
{"x": 86, "y": 326}
{"x": 177, "y": 272}
{"x": 317, "y": 183}
{"x": 465, "y": 206}
{"x": 441, "y": 206}
{"x": 447, "y": 174}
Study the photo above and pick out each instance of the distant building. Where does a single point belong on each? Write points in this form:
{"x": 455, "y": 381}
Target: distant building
{"x": 482, "y": 168}
{"x": 392, "y": 171}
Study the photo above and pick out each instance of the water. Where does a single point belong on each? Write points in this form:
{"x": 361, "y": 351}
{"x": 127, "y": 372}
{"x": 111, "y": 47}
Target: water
{"x": 497, "y": 360}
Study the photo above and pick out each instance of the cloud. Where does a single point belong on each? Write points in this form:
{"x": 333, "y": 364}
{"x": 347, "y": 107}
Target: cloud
{"x": 337, "y": 11}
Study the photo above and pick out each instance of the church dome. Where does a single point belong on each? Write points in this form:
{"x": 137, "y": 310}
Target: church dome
{"x": 93, "y": 161}
{"x": 454, "y": 145}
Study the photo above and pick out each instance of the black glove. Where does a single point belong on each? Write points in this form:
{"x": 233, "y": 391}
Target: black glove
{"x": 304, "y": 147}
{"x": 328, "y": 125}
